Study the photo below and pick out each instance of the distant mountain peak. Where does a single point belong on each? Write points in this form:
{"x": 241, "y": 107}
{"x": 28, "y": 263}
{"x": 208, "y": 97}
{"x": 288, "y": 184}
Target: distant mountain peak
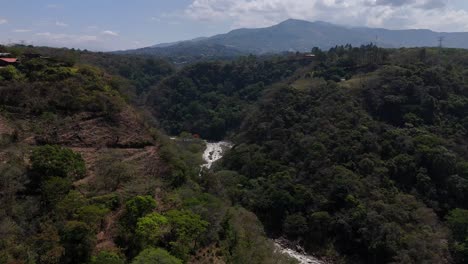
{"x": 301, "y": 35}
{"x": 293, "y": 21}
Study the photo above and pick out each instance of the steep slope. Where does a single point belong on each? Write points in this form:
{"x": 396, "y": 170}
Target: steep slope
{"x": 359, "y": 155}
{"x": 85, "y": 179}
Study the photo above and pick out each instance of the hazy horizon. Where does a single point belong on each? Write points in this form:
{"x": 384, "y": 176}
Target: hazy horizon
{"x": 115, "y": 25}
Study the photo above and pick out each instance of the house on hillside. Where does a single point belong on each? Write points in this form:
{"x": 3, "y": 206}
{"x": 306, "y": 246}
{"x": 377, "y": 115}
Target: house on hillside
{"x": 8, "y": 61}
{"x": 5, "y": 54}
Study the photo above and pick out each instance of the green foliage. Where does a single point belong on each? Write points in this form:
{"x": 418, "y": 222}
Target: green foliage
{"x": 243, "y": 240}
{"x": 186, "y": 229}
{"x": 48, "y": 245}
{"x": 360, "y": 161}
{"x": 13, "y": 180}
{"x": 151, "y": 228}
{"x": 68, "y": 207}
{"x": 156, "y": 255}
{"x": 141, "y": 72}
{"x": 295, "y": 225}
{"x": 458, "y": 222}
{"x": 92, "y": 215}
{"x": 210, "y": 98}
{"x": 182, "y": 164}
{"x": 138, "y": 207}
{"x": 78, "y": 240}
{"x": 43, "y": 85}
{"x": 10, "y": 73}
{"x": 110, "y": 201}
{"x": 319, "y": 166}
{"x": 319, "y": 224}
{"x": 105, "y": 257}
{"x": 56, "y": 161}
{"x": 55, "y": 189}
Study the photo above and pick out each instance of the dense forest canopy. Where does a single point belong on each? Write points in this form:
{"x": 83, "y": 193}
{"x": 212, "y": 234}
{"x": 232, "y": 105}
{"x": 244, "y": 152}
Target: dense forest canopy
{"x": 358, "y": 154}
{"x": 372, "y": 167}
{"x": 211, "y": 99}
{"x": 85, "y": 179}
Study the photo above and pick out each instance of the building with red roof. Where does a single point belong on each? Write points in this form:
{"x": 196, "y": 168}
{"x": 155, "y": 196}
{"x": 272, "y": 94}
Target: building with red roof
{"x": 7, "y": 61}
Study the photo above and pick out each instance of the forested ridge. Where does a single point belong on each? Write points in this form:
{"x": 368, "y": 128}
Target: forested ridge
{"x": 359, "y": 154}
{"x": 87, "y": 178}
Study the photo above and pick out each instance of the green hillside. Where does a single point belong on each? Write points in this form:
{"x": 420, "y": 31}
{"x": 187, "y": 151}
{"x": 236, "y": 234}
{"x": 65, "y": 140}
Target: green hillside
{"x": 357, "y": 154}
{"x": 86, "y": 177}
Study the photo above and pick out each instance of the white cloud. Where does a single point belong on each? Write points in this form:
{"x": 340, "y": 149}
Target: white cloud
{"x": 61, "y": 24}
{"x": 110, "y": 33}
{"x": 3, "y": 21}
{"x": 21, "y": 30}
{"x": 433, "y": 14}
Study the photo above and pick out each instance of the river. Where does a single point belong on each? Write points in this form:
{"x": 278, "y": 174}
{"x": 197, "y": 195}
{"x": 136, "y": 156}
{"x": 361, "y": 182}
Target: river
{"x": 296, "y": 252}
{"x": 214, "y": 151}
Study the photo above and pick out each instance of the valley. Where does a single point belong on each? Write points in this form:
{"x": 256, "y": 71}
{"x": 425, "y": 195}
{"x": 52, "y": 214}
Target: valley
{"x": 355, "y": 154}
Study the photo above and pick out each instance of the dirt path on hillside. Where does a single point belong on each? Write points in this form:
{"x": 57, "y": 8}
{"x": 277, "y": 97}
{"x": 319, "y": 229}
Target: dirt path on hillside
{"x": 5, "y": 128}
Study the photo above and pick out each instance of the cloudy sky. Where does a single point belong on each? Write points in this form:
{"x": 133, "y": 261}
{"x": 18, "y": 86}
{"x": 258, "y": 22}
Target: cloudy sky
{"x": 123, "y": 24}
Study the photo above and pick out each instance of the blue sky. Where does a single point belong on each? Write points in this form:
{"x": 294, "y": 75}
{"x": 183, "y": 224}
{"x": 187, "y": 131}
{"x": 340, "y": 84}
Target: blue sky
{"x": 123, "y": 24}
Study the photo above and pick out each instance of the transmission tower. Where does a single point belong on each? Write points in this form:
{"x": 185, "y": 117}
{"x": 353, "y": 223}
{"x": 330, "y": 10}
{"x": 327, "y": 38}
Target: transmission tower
{"x": 441, "y": 41}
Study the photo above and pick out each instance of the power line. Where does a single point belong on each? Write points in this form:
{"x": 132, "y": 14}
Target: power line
{"x": 441, "y": 41}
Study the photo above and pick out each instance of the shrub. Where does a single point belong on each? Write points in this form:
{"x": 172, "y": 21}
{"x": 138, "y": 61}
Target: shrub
{"x": 156, "y": 255}
{"x": 151, "y": 228}
{"x": 10, "y": 73}
{"x": 78, "y": 241}
{"x": 105, "y": 257}
{"x": 137, "y": 207}
{"x": 56, "y": 161}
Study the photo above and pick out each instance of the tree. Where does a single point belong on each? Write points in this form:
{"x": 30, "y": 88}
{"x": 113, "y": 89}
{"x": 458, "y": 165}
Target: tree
{"x": 319, "y": 224}
{"x": 137, "y": 207}
{"x": 68, "y": 207}
{"x": 10, "y": 73}
{"x": 92, "y": 215}
{"x": 295, "y": 225}
{"x": 56, "y": 161}
{"x": 106, "y": 257}
{"x": 458, "y": 222}
{"x": 155, "y": 255}
{"x": 47, "y": 244}
{"x": 55, "y": 189}
{"x": 151, "y": 228}
{"x": 186, "y": 229}
{"x": 112, "y": 174}
{"x": 78, "y": 240}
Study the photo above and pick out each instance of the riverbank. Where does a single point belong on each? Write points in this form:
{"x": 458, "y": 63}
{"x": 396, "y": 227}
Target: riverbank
{"x": 296, "y": 252}
{"x": 214, "y": 151}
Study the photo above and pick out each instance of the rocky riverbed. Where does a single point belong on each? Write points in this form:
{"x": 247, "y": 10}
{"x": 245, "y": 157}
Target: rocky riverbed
{"x": 214, "y": 151}
{"x": 296, "y": 252}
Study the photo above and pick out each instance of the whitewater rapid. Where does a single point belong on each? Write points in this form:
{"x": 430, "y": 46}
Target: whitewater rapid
{"x": 214, "y": 151}
{"x": 298, "y": 253}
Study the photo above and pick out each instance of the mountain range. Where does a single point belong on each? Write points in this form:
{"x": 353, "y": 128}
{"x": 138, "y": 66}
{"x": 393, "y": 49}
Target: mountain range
{"x": 300, "y": 35}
